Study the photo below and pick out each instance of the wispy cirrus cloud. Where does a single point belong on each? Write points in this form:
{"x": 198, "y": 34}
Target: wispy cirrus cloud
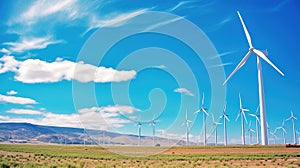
{"x": 113, "y": 20}
{"x": 43, "y": 8}
{"x": 49, "y": 72}
{"x": 159, "y": 66}
{"x": 184, "y": 91}
{"x": 16, "y": 100}
{"x": 180, "y": 4}
{"x": 30, "y": 43}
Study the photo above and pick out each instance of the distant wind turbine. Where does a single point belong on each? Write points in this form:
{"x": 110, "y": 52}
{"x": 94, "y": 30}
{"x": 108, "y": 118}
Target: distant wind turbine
{"x": 292, "y": 118}
{"x": 215, "y": 125}
{"x": 186, "y": 123}
{"x": 259, "y": 55}
{"x": 225, "y": 117}
{"x": 139, "y": 125}
{"x": 256, "y": 115}
{"x": 298, "y": 133}
{"x": 153, "y": 123}
{"x": 204, "y": 110}
{"x": 268, "y": 131}
{"x": 283, "y": 131}
{"x": 243, "y": 118}
{"x": 274, "y": 136}
{"x": 250, "y": 130}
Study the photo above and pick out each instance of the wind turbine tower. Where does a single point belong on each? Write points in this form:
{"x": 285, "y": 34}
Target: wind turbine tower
{"x": 292, "y": 118}
{"x": 215, "y": 125}
{"x": 259, "y": 55}
{"x": 186, "y": 122}
{"x": 204, "y": 110}
{"x": 243, "y": 118}
{"x": 225, "y": 117}
{"x": 256, "y": 115}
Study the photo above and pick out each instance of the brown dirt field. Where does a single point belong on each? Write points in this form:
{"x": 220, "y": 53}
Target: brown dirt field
{"x": 229, "y": 150}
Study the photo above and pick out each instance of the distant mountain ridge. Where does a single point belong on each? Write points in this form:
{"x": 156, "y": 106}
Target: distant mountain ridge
{"x": 31, "y": 133}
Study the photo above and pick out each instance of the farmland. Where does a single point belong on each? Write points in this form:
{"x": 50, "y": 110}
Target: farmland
{"x": 12, "y": 155}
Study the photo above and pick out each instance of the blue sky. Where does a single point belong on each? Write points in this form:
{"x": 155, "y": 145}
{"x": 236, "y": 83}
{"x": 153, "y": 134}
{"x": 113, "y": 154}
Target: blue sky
{"x": 107, "y": 64}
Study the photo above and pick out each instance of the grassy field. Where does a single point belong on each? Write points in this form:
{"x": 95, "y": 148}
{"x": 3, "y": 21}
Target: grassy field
{"x": 12, "y": 155}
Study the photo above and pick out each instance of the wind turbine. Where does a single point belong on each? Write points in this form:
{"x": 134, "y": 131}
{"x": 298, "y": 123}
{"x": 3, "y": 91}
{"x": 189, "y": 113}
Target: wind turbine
{"x": 139, "y": 125}
{"x": 256, "y": 115}
{"x": 268, "y": 131}
{"x": 153, "y": 123}
{"x": 215, "y": 124}
{"x": 203, "y": 109}
{"x": 225, "y": 117}
{"x": 259, "y": 55}
{"x": 298, "y": 133}
{"x": 274, "y": 135}
{"x": 283, "y": 131}
{"x": 186, "y": 123}
{"x": 243, "y": 117}
{"x": 292, "y": 117}
{"x": 250, "y": 130}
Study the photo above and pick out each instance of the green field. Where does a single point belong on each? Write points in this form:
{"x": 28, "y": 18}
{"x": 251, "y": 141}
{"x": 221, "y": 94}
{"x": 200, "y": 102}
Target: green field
{"x": 12, "y": 155}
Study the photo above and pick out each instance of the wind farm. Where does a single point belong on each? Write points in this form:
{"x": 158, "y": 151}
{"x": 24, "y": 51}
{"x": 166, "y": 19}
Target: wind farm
{"x": 149, "y": 84}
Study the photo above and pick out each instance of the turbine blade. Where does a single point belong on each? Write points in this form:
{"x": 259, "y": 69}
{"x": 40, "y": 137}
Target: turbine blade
{"x": 206, "y": 113}
{"x": 245, "y": 117}
{"x": 240, "y": 101}
{"x": 283, "y": 129}
{"x": 238, "y": 116}
{"x": 225, "y": 107}
{"x": 245, "y": 30}
{"x": 253, "y": 115}
{"x": 202, "y": 99}
{"x": 213, "y": 118}
{"x": 227, "y": 118}
{"x": 264, "y": 57}
{"x": 243, "y": 61}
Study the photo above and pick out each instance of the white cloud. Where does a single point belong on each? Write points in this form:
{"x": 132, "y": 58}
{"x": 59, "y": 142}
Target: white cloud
{"x": 11, "y": 92}
{"x": 113, "y": 21}
{"x": 5, "y": 51}
{"x": 159, "y": 66}
{"x": 31, "y": 43}
{"x": 184, "y": 91}
{"x": 92, "y": 118}
{"x": 44, "y": 8}
{"x": 24, "y": 111}
{"x": 38, "y": 71}
{"x": 16, "y": 100}
{"x": 111, "y": 109}
{"x": 8, "y": 63}
{"x": 180, "y": 4}
{"x": 163, "y": 23}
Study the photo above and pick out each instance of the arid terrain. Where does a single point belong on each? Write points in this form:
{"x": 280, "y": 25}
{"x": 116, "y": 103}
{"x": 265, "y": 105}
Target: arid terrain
{"x": 13, "y": 155}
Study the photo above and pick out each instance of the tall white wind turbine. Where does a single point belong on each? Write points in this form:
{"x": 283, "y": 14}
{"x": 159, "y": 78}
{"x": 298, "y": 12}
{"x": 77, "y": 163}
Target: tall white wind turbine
{"x": 215, "y": 125}
{"x": 259, "y": 55}
{"x": 225, "y": 117}
{"x": 256, "y": 115}
{"x": 243, "y": 118}
{"x": 204, "y": 110}
{"x": 292, "y": 118}
{"x": 283, "y": 131}
{"x": 186, "y": 123}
